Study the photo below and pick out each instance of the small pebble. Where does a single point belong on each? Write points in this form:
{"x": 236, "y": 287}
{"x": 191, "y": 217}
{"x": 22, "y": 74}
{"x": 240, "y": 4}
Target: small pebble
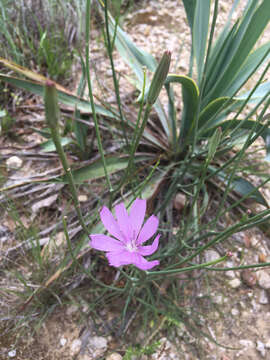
{"x": 218, "y": 299}
{"x": 261, "y": 348}
{"x": 235, "y": 283}
{"x": 235, "y": 312}
{"x": 12, "y": 353}
{"x": 75, "y": 347}
{"x": 114, "y": 356}
{"x": 246, "y": 343}
{"x": 60, "y": 238}
{"x": 230, "y": 274}
{"x": 63, "y": 341}
{"x": 249, "y": 278}
{"x": 14, "y": 163}
{"x": 82, "y": 198}
{"x": 263, "y": 279}
{"x": 211, "y": 255}
{"x": 72, "y": 309}
{"x": 263, "y": 298}
{"x": 179, "y": 201}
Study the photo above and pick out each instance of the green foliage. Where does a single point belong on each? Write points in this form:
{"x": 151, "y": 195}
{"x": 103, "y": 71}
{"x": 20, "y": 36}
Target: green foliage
{"x": 139, "y": 350}
{"x": 222, "y": 68}
{"x": 41, "y": 35}
{"x": 6, "y": 121}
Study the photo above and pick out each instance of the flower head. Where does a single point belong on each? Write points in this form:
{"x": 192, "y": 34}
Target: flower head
{"x": 129, "y": 233}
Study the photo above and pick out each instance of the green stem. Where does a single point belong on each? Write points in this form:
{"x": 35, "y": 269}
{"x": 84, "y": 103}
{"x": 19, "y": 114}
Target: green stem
{"x": 100, "y": 148}
{"x": 52, "y": 117}
{"x": 110, "y": 45}
{"x": 189, "y": 268}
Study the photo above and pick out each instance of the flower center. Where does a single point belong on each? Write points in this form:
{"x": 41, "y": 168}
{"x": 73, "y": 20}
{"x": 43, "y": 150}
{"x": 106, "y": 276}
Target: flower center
{"x": 131, "y": 245}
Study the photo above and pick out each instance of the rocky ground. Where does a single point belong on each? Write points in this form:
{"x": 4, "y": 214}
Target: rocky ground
{"x": 234, "y": 305}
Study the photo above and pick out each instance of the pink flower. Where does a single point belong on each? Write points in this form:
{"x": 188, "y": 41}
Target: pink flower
{"x": 129, "y": 233}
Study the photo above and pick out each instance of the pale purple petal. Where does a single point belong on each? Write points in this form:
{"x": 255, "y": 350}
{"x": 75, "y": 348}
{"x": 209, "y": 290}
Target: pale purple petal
{"x": 137, "y": 214}
{"x": 110, "y": 223}
{"x": 149, "y": 249}
{"x": 124, "y": 257}
{"x": 143, "y": 264}
{"x": 148, "y": 229}
{"x": 127, "y": 258}
{"x": 105, "y": 243}
{"x": 123, "y": 221}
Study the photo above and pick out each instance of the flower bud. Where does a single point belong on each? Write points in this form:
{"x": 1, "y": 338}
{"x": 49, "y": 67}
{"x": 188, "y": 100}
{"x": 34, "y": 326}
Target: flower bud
{"x": 159, "y": 77}
{"x": 51, "y": 104}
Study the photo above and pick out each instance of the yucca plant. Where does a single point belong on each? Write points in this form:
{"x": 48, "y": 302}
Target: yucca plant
{"x": 212, "y": 119}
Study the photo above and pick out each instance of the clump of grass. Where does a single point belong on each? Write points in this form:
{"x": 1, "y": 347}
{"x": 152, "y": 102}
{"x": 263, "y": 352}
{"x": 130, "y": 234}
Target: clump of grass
{"x": 42, "y": 35}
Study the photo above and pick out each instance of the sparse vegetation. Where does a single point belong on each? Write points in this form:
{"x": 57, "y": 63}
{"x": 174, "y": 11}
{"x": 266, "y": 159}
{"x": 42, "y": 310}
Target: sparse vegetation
{"x": 197, "y": 167}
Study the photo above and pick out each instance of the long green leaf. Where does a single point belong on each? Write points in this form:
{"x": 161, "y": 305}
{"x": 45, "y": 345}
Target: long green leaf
{"x": 247, "y": 35}
{"x": 254, "y": 60}
{"x": 190, "y": 6}
{"x": 49, "y": 146}
{"x": 200, "y": 33}
{"x": 217, "y": 60}
{"x": 257, "y": 95}
{"x": 191, "y": 102}
{"x": 212, "y": 110}
{"x": 95, "y": 170}
{"x": 245, "y": 125}
{"x": 63, "y": 97}
{"x": 244, "y": 188}
{"x": 136, "y": 59}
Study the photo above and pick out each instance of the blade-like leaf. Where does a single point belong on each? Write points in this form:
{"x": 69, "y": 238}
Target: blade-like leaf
{"x": 212, "y": 110}
{"x": 29, "y": 73}
{"x": 254, "y": 60}
{"x": 191, "y": 102}
{"x": 200, "y": 33}
{"x": 257, "y": 95}
{"x": 95, "y": 170}
{"x": 244, "y": 188}
{"x": 137, "y": 58}
{"x": 245, "y": 125}
{"x": 190, "y": 6}
{"x": 249, "y": 31}
{"x": 63, "y": 96}
{"x": 49, "y": 146}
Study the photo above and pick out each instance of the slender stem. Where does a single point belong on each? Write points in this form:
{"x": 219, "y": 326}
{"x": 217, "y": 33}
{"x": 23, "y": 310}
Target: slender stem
{"x": 52, "y": 117}
{"x": 100, "y": 148}
{"x": 131, "y": 156}
{"x": 189, "y": 268}
{"x": 115, "y": 82}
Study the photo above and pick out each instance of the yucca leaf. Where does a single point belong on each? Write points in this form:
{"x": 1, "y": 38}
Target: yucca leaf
{"x": 95, "y": 170}
{"x": 257, "y": 95}
{"x": 200, "y": 33}
{"x": 249, "y": 31}
{"x": 136, "y": 59}
{"x": 49, "y": 146}
{"x": 190, "y": 6}
{"x": 251, "y": 125}
{"x": 63, "y": 96}
{"x": 190, "y": 101}
{"x": 244, "y": 188}
{"x": 254, "y": 60}
{"x": 212, "y": 111}
{"x": 217, "y": 60}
